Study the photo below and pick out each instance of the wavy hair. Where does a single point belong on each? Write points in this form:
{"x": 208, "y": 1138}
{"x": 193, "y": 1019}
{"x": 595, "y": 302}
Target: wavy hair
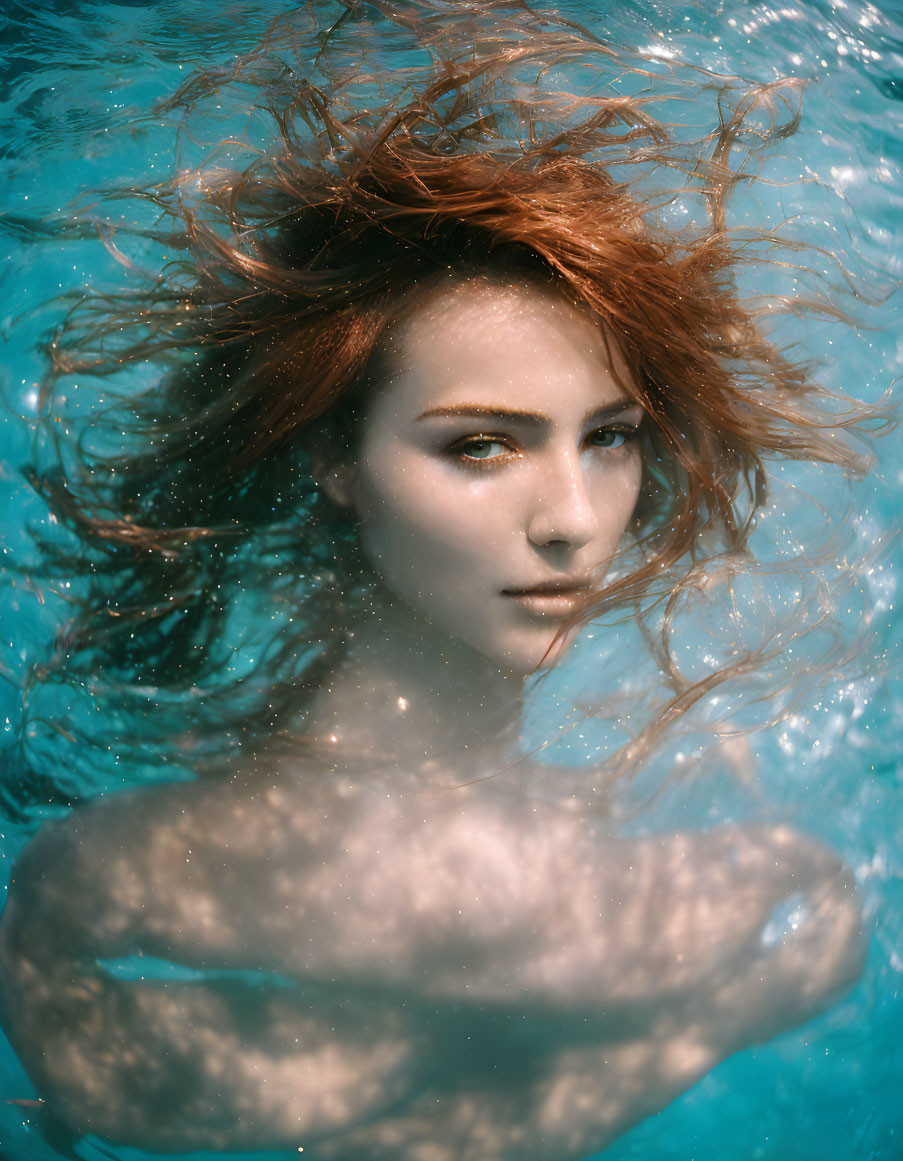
{"x": 456, "y": 153}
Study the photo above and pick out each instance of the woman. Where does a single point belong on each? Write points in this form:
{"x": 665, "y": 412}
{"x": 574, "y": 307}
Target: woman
{"x": 491, "y": 399}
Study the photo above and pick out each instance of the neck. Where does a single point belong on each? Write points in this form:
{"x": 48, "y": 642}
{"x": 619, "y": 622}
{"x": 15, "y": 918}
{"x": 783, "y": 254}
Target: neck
{"x": 407, "y": 693}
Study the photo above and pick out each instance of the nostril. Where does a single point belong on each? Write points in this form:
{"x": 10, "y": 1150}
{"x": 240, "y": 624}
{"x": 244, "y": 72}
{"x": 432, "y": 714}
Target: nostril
{"x": 566, "y": 518}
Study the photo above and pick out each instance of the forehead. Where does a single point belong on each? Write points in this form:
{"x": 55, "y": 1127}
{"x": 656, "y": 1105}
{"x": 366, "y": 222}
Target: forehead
{"x": 504, "y": 346}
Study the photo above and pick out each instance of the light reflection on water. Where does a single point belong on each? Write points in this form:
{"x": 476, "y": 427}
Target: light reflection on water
{"x": 75, "y": 104}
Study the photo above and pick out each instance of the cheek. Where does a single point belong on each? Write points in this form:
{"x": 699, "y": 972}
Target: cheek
{"x": 615, "y": 491}
{"x": 421, "y": 531}
{"x": 626, "y": 491}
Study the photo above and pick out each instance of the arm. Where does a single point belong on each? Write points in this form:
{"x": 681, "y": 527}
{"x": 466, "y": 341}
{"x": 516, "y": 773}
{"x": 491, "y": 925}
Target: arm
{"x": 180, "y": 1066}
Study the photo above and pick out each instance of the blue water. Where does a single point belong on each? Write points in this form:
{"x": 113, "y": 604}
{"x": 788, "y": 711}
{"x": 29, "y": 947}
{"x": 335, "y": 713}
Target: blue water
{"x": 80, "y": 82}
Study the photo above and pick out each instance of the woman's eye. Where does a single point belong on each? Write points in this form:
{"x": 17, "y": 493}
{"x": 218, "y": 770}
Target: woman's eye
{"x": 481, "y": 449}
{"x": 609, "y": 438}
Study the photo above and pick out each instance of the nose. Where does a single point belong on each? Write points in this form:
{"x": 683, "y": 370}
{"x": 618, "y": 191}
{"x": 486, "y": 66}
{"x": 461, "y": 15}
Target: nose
{"x": 562, "y": 513}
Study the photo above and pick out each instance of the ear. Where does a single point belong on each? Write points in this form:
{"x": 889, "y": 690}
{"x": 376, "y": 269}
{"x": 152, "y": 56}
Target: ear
{"x": 336, "y": 480}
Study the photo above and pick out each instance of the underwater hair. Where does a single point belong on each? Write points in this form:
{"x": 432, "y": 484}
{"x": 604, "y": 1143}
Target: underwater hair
{"x": 192, "y": 496}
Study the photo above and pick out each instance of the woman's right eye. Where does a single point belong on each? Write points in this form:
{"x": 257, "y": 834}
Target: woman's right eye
{"x": 480, "y": 449}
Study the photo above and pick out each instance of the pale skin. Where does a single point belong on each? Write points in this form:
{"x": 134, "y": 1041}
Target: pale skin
{"x": 457, "y": 966}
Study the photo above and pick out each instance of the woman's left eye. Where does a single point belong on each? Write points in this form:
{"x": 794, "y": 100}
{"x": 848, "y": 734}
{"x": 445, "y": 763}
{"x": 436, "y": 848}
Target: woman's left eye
{"x": 608, "y": 438}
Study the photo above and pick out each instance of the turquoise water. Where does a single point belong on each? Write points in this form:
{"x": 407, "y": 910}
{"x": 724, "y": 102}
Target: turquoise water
{"x": 80, "y": 85}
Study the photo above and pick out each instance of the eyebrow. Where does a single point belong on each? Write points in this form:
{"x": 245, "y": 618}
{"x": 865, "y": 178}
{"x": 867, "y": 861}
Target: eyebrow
{"x": 529, "y": 418}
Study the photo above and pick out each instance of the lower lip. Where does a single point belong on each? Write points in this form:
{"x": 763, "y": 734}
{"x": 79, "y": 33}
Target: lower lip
{"x": 549, "y": 604}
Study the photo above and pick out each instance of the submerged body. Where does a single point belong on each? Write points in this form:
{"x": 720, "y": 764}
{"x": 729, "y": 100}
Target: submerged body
{"x": 450, "y": 974}
{"x": 451, "y": 960}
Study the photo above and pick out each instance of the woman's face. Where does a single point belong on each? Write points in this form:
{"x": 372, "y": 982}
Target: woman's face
{"x": 498, "y": 466}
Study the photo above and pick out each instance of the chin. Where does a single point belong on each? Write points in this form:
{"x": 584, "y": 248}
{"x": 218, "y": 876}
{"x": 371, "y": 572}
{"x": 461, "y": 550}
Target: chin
{"x": 528, "y": 657}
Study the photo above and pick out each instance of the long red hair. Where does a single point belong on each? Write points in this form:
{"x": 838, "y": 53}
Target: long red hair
{"x": 266, "y": 323}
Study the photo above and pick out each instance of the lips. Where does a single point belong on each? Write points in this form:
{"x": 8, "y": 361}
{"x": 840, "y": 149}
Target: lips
{"x": 553, "y": 599}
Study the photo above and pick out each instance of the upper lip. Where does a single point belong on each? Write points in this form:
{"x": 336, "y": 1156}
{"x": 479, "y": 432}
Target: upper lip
{"x": 565, "y": 586}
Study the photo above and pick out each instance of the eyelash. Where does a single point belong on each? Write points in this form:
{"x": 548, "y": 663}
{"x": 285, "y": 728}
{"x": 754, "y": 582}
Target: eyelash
{"x": 456, "y": 449}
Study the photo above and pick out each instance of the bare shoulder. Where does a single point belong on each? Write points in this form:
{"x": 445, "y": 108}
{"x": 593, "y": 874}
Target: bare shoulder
{"x": 171, "y": 853}
{"x": 268, "y": 819}
{"x": 246, "y": 809}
